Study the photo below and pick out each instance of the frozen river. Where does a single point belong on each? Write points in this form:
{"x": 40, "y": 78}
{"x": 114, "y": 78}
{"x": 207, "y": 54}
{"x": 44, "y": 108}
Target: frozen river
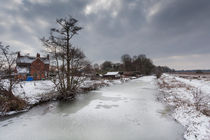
{"x": 121, "y": 112}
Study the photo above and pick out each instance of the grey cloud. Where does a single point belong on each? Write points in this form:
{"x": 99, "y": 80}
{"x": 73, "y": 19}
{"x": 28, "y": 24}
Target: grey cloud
{"x": 159, "y": 28}
{"x": 185, "y": 24}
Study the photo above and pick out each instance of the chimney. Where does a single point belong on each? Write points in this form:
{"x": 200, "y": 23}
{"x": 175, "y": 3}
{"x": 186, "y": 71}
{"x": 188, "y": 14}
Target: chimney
{"x": 18, "y": 54}
{"x": 48, "y": 57}
{"x": 38, "y": 55}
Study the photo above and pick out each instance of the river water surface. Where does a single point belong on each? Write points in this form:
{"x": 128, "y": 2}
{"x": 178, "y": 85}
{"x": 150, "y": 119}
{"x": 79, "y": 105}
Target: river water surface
{"x": 121, "y": 112}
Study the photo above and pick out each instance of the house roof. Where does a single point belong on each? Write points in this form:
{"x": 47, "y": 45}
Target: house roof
{"x": 111, "y": 73}
{"x": 29, "y": 59}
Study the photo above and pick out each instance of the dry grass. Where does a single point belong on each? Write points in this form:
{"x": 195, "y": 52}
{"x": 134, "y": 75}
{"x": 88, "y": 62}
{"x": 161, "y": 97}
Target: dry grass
{"x": 9, "y": 102}
{"x": 14, "y": 104}
{"x": 190, "y": 76}
{"x": 200, "y": 101}
{"x": 174, "y": 84}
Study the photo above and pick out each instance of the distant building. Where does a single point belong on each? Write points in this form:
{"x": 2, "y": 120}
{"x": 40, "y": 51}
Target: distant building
{"x": 112, "y": 75}
{"x": 35, "y": 67}
{"x": 131, "y": 73}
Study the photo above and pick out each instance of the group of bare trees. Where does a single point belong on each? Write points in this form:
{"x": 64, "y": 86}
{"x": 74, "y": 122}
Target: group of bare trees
{"x": 140, "y": 64}
{"x": 68, "y": 60}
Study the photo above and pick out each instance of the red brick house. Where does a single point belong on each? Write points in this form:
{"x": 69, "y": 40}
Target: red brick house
{"x": 36, "y": 67}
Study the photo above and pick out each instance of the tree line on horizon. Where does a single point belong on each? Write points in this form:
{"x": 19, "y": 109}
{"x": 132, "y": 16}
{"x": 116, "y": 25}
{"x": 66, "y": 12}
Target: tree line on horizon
{"x": 140, "y": 64}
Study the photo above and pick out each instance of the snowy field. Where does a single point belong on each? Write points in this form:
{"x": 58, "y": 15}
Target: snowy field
{"x": 190, "y": 99}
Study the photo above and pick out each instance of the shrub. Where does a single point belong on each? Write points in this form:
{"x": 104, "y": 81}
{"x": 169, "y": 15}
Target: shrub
{"x": 13, "y": 103}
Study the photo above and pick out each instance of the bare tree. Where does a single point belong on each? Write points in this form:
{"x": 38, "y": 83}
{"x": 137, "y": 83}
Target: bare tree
{"x": 139, "y": 63}
{"x": 7, "y": 67}
{"x": 96, "y": 67}
{"x": 127, "y": 62}
{"x": 8, "y": 102}
{"x": 106, "y": 66}
{"x": 69, "y": 60}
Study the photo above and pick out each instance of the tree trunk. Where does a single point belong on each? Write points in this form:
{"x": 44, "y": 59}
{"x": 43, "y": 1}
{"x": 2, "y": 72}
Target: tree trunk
{"x": 68, "y": 62}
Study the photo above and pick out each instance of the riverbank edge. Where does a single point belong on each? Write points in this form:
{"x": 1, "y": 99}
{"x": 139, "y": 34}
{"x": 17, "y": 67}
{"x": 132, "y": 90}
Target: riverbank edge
{"x": 183, "y": 112}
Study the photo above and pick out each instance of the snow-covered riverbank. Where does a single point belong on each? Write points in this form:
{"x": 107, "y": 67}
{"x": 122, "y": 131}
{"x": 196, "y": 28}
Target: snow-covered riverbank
{"x": 191, "y": 101}
{"x": 35, "y": 92}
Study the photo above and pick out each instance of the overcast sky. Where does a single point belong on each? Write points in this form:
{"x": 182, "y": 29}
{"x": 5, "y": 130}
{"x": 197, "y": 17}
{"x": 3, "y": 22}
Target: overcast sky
{"x": 175, "y": 33}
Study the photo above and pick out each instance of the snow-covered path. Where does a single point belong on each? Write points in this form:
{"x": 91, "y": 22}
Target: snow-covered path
{"x": 126, "y": 112}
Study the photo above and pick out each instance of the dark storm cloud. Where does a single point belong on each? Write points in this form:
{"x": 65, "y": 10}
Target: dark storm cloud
{"x": 172, "y": 32}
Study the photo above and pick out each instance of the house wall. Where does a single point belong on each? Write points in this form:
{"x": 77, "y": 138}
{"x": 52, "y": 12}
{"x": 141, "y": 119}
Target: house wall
{"x": 38, "y": 69}
{"x": 21, "y": 76}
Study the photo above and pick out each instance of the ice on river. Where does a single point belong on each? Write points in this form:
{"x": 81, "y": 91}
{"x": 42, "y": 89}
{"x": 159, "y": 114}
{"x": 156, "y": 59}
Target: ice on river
{"x": 121, "y": 112}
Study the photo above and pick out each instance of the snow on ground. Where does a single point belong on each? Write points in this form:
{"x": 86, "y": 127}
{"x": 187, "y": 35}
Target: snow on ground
{"x": 89, "y": 83}
{"x": 150, "y": 79}
{"x": 186, "y": 96}
{"x": 33, "y": 91}
{"x": 202, "y": 84}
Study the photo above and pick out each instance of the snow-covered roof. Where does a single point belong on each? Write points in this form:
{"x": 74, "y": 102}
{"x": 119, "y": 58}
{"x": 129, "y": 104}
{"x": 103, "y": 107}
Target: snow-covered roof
{"x": 22, "y": 70}
{"x": 25, "y": 59}
{"x": 45, "y": 60}
{"x": 29, "y": 59}
{"x": 112, "y": 73}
